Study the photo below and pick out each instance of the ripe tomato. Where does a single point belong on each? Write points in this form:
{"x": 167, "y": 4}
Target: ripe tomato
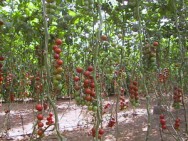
{"x": 163, "y": 121}
{"x": 177, "y": 120}
{"x": 49, "y": 118}
{"x": 39, "y": 107}
{"x": 57, "y": 50}
{"x": 88, "y": 98}
{"x": 93, "y": 132}
{"x": 58, "y": 41}
{"x": 87, "y": 73}
{"x": 155, "y": 43}
{"x": 40, "y": 132}
{"x": 76, "y": 78}
{"x": 164, "y": 126}
{"x": 86, "y": 82}
{"x": 90, "y": 68}
{"x": 92, "y": 85}
{"x": 101, "y": 131}
{"x": 103, "y": 37}
{"x": 93, "y": 94}
{"x": 56, "y": 56}
{"x": 50, "y": 114}
{"x": 40, "y": 117}
{"x": 59, "y": 62}
{"x": 40, "y": 124}
{"x": 79, "y": 70}
{"x": 87, "y": 91}
{"x": 55, "y": 47}
{"x": 1, "y": 58}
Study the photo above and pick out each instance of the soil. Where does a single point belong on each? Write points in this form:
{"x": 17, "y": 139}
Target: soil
{"x": 76, "y": 122}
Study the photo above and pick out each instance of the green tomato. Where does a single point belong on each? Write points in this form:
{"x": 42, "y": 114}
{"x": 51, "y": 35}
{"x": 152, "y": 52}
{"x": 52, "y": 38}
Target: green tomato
{"x": 83, "y": 102}
{"x": 59, "y": 87}
{"x": 94, "y": 108}
{"x": 55, "y": 82}
{"x": 77, "y": 98}
{"x": 113, "y": 44}
{"x": 90, "y": 108}
{"x": 153, "y": 59}
{"x": 88, "y": 103}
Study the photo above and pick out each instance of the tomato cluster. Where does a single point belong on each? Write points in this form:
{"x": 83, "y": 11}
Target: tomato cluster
{"x": 39, "y": 109}
{"x": 163, "y": 122}
{"x": 50, "y": 119}
{"x": 177, "y": 124}
{"x": 149, "y": 55}
{"x": 38, "y": 84}
{"x": 51, "y": 9}
{"x": 122, "y": 103}
{"x": 58, "y": 62}
{"x": 100, "y": 132}
{"x": 133, "y": 90}
{"x": 112, "y": 122}
{"x": 177, "y": 97}
{"x": 40, "y": 117}
{"x": 164, "y": 75}
{"x": 1, "y": 65}
{"x": 39, "y": 52}
{"x": 106, "y": 107}
{"x": 84, "y": 86}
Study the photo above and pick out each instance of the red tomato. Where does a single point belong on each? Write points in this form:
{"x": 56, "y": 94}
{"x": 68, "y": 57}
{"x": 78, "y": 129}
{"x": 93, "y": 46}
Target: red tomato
{"x": 155, "y": 43}
{"x": 40, "y": 124}
{"x": 163, "y": 121}
{"x": 79, "y": 70}
{"x": 39, "y": 107}
{"x": 59, "y": 62}
{"x": 58, "y": 41}
{"x": 87, "y": 91}
{"x": 76, "y": 78}
{"x": 56, "y": 56}
{"x": 101, "y": 131}
{"x": 87, "y": 73}
{"x": 57, "y": 50}
{"x": 90, "y": 68}
{"x": 40, "y": 117}
{"x": 40, "y": 132}
{"x": 1, "y": 58}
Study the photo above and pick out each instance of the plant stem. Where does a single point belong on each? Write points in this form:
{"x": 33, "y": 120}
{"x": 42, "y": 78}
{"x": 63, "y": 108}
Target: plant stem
{"x": 144, "y": 81}
{"x": 182, "y": 52}
{"x": 46, "y": 59}
{"x": 96, "y": 51}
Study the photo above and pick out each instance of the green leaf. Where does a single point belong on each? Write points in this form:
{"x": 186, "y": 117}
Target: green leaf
{"x": 72, "y": 13}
